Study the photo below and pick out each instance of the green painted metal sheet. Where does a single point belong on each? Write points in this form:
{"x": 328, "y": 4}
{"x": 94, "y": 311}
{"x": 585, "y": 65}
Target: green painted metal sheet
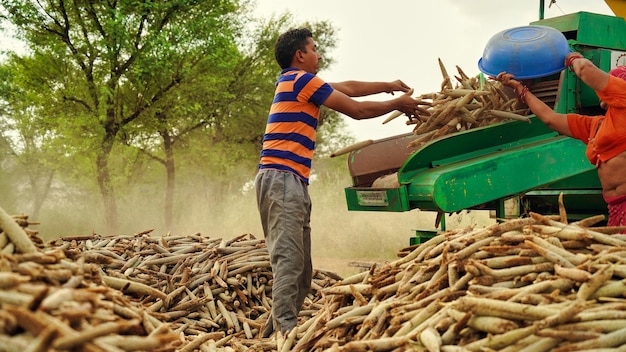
{"x": 471, "y": 182}
{"x": 377, "y": 199}
{"x": 478, "y": 166}
{"x": 472, "y": 143}
{"x": 590, "y": 29}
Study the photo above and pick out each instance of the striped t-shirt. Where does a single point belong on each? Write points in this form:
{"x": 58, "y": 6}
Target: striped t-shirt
{"x": 289, "y": 140}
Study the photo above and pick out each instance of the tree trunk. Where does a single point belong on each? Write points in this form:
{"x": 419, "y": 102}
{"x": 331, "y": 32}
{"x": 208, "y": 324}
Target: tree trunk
{"x": 106, "y": 186}
{"x": 40, "y": 193}
{"x": 170, "y": 167}
{"x": 169, "y": 196}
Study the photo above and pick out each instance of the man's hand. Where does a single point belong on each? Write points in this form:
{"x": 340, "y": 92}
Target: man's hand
{"x": 397, "y": 86}
{"x": 411, "y": 106}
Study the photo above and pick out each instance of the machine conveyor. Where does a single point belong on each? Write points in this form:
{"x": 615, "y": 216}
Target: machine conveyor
{"x": 473, "y": 169}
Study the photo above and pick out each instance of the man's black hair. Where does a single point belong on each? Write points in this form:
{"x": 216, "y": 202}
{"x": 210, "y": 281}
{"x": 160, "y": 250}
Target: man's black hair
{"x": 290, "y": 42}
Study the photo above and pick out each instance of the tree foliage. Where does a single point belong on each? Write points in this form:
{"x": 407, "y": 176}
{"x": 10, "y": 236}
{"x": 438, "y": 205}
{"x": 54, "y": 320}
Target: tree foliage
{"x": 109, "y": 63}
{"x": 132, "y": 98}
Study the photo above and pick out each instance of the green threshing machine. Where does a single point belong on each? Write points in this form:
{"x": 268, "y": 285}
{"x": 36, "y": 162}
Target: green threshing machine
{"x": 481, "y": 168}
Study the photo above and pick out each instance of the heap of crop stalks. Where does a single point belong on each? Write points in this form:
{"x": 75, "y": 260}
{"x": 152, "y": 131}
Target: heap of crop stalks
{"x": 135, "y": 292}
{"x": 530, "y": 284}
{"x": 469, "y": 103}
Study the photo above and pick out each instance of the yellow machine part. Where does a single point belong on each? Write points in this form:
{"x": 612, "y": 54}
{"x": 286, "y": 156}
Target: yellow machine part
{"x": 618, "y": 7}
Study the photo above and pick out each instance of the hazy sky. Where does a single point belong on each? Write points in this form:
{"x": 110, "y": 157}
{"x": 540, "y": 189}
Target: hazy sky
{"x": 402, "y": 39}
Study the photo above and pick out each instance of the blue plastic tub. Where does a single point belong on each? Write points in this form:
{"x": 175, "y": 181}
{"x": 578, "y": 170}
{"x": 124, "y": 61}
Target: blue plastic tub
{"x": 527, "y": 52}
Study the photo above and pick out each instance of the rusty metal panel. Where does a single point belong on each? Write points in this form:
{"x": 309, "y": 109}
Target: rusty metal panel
{"x": 382, "y": 157}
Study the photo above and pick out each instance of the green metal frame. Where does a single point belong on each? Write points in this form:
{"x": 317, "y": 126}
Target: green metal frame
{"x": 475, "y": 167}
{"x": 590, "y": 29}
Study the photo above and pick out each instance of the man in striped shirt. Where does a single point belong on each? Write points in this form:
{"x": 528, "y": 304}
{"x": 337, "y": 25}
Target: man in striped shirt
{"x": 285, "y": 163}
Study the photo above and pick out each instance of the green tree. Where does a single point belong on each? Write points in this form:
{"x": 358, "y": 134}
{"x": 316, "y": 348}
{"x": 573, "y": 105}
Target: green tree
{"x": 188, "y": 89}
{"x": 111, "y": 62}
{"x": 27, "y": 140}
{"x": 199, "y": 100}
{"x": 226, "y": 104}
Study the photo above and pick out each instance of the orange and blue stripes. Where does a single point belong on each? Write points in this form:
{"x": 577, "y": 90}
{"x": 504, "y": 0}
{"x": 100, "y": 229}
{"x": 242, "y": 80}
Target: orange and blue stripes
{"x": 289, "y": 140}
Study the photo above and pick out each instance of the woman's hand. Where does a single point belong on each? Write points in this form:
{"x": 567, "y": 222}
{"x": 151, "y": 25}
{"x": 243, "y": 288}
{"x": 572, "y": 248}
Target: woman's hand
{"x": 507, "y": 79}
{"x": 569, "y": 59}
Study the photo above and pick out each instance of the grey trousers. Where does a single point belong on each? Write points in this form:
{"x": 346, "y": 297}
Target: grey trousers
{"x": 285, "y": 209}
